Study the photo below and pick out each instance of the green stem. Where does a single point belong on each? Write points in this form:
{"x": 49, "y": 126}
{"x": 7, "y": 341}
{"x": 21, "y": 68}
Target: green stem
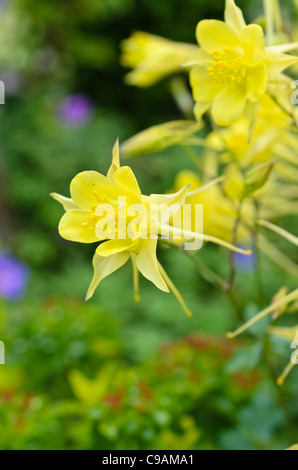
{"x": 194, "y": 157}
{"x": 279, "y": 394}
{"x": 204, "y": 270}
{"x": 234, "y": 241}
{"x": 260, "y": 295}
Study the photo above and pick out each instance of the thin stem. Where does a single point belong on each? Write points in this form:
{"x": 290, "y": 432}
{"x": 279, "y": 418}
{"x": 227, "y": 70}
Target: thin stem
{"x": 194, "y": 157}
{"x": 204, "y": 270}
{"x": 280, "y": 231}
{"x": 175, "y": 291}
{"x": 278, "y": 391}
{"x": 182, "y": 96}
{"x": 285, "y": 373}
{"x": 135, "y": 272}
{"x": 277, "y": 16}
{"x": 277, "y": 256}
{"x": 285, "y": 300}
{"x": 269, "y": 21}
{"x": 210, "y": 276}
{"x": 235, "y": 305}
{"x": 260, "y": 295}
{"x": 234, "y": 241}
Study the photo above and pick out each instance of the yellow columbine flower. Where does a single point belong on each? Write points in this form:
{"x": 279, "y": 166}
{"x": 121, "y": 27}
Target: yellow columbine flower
{"x": 92, "y": 196}
{"x": 232, "y": 70}
{"x": 293, "y": 447}
{"x": 152, "y": 57}
{"x": 111, "y": 209}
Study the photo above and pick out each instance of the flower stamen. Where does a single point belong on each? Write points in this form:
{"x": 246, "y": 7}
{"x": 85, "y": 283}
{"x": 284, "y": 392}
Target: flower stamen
{"x": 174, "y": 290}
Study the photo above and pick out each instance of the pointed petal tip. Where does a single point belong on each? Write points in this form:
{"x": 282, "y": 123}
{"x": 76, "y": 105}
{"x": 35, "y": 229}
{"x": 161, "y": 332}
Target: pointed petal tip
{"x": 137, "y": 298}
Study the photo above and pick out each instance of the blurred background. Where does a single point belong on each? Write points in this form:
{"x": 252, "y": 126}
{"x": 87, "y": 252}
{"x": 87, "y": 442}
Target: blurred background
{"x": 112, "y": 374}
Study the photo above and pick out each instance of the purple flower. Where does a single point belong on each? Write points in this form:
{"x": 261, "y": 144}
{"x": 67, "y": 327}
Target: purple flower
{"x": 75, "y": 110}
{"x": 3, "y": 4}
{"x": 14, "y": 277}
{"x": 244, "y": 263}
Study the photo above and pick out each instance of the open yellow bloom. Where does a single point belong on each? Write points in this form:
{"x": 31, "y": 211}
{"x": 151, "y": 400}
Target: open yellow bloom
{"x": 233, "y": 69}
{"x": 152, "y": 57}
{"x": 92, "y": 196}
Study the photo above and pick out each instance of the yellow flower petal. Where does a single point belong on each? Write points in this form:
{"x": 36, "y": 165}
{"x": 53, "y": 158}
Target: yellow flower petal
{"x": 75, "y": 225}
{"x": 204, "y": 87}
{"x": 127, "y": 182}
{"x": 103, "y": 267}
{"x": 116, "y": 161}
{"x": 278, "y": 62}
{"x": 112, "y": 247}
{"x": 289, "y": 334}
{"x": 87, "y": 186}
{"x": 200, "y": 109}
{"x": 148, "y": 265}
{"x": 169, "y": 199}
{"x": 215, "y": 35}
{"x": 256, "y": 81}
{"x": 290, "y": 46}
{"x": 66, "y": 202}
{"x": 228, "y": 105}
{"x": 198, "y": 57}
{"x": 234, "y": 16}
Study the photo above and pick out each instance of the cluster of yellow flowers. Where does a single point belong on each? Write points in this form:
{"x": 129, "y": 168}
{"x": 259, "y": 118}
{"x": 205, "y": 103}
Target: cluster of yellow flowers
{"x": 247, "y": 169}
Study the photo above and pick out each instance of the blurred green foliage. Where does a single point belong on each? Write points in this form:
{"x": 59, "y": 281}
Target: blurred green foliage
{"x": 70, "y": 383}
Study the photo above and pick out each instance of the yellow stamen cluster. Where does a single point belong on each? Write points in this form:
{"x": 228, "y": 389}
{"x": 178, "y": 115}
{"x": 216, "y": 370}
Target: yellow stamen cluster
{"x": 227, "y": 66}
{"x": 93, "y": 217}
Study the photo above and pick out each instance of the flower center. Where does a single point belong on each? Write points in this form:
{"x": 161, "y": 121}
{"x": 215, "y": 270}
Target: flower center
{"x": 113, "y": 218}
{"x": 227, "y": 67}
